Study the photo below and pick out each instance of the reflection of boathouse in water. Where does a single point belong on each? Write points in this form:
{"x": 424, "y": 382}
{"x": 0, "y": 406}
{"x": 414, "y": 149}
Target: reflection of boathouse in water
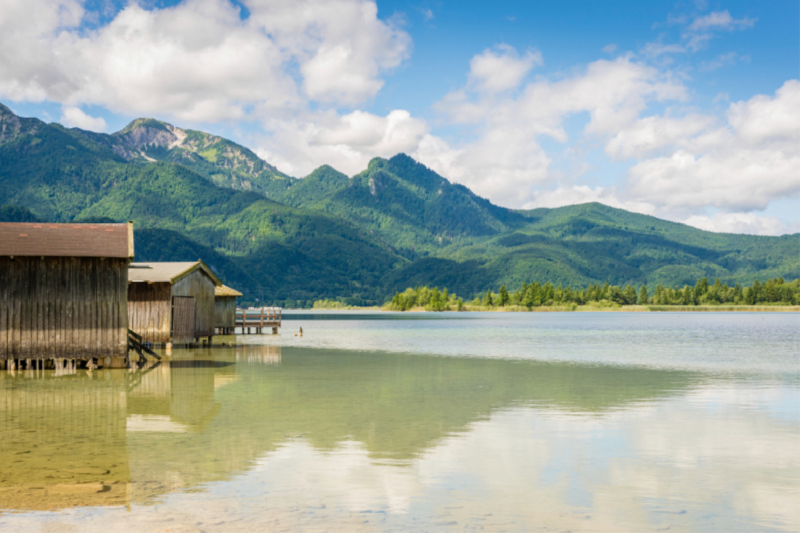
{"x": 63, "y": 292}
{"x": 64, "y": 440}
{"x": 83, "y": 439}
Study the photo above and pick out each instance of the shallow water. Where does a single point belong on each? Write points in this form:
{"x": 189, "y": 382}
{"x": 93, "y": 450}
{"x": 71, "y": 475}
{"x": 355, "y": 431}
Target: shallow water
{"x": 495, "y": 422}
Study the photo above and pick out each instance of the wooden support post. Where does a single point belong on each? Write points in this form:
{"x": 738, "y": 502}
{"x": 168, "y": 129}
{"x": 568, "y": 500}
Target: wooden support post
{"x": 274, "y": 331}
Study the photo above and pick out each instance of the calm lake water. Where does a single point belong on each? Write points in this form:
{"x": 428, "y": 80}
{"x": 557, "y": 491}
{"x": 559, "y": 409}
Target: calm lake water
{"x": 422, "y": 422}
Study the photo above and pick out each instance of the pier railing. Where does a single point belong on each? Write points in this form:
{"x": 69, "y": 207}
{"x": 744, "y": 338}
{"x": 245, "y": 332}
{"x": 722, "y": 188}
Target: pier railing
{"x": 259, "y": 318}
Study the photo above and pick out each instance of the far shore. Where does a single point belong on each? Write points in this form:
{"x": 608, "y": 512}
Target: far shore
{"x": 591, "y": 308}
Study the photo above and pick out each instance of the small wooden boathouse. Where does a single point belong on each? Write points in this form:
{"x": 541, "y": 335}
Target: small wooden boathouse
{"x": 225, "y": 309}
{"x": 172, "y": 303}
{"x": 63, "y": 293}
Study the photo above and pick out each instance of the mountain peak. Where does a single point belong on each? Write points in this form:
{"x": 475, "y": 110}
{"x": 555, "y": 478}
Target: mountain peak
{"x": 145, "y": 123}
{"x": 6, "y": 111}
{"x": 144, "y": 132}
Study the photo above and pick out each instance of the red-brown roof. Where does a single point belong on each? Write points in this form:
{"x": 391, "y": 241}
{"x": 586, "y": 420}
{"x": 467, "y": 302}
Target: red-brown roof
{"x": 66, "y": 240}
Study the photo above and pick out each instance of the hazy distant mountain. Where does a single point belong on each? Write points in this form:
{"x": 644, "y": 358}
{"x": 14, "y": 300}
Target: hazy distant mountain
{"x": 192, "y": 194}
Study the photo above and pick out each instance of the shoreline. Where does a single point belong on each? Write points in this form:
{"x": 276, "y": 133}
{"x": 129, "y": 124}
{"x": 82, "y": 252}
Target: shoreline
{"x": 589, "y": 308}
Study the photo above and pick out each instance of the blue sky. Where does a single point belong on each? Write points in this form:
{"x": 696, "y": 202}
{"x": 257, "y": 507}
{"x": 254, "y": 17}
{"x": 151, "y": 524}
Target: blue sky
{"x": 689, "y": 111}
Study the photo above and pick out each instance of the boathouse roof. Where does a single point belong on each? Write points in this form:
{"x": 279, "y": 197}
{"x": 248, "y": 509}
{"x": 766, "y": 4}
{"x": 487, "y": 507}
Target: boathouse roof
{"x": 167, "y": 272}
{"x": 66, "y": 240}
{"x": 224, "y": 290}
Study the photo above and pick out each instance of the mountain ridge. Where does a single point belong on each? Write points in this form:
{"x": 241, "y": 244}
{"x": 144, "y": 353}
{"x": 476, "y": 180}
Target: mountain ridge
{"x": 393, "y": 225}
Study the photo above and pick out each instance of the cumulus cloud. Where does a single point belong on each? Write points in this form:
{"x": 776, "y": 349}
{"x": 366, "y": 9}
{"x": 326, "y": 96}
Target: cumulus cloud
{"x": 198, "y": 60}
{"x": 653, "y": 133}
{"x": 506, "y": 160}
{"x": 346, "y": 142}
{"x": 744, "y": 165}
{"x": 501, "y": 68}
{"x": 74, "y": 117}
{"x": 342, "y": 45}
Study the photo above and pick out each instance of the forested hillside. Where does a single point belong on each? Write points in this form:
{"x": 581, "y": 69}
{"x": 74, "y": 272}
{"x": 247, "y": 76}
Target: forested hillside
{"x": 396, "y": 224}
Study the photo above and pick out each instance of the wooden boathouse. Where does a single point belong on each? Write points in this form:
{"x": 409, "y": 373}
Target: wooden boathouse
{"x": 63, "y": 294}
{"x": 225, "y": 309}
{"x": 172, "y": 303}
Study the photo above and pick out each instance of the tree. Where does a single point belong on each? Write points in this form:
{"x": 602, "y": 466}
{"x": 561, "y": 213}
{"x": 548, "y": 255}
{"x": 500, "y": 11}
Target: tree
{"x": 643, "y": 295}
{"x": 504, "y": 297}
{"x": 701, "y": 287}
{"x": 527, "y": 300}
{"x": 630, "y": 295}
{"x": 487, "y": 300}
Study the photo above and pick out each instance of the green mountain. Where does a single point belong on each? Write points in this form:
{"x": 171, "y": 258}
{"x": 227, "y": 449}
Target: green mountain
{"x": 223, "y": 162}
{"x": 404, "y": 203}
{"x": 396, "y": 224}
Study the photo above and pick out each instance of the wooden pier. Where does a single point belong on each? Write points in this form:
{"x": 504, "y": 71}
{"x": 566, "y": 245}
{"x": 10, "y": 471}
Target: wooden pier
{"x": 254, "y": 320}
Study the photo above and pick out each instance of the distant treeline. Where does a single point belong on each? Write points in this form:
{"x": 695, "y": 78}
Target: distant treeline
{"x": 773, "y": 292}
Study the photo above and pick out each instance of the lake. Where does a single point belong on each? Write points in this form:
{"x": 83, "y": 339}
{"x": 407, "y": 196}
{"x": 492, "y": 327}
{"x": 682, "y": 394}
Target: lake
{"x": 575, "y": 422}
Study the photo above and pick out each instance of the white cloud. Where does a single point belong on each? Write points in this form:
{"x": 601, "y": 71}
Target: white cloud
{"x": 506, "y": 160}
{"x": 653, "y": 133}
{"x": 342, "y": 45}
{"x": 610, "y": 48}
{"x": 501, "y": 68}
{"x": 74, "y": 117}
{"x": 346, "y": 142}
{"x": 750, "y": 223}
{"x": 198, "y": 60}
{"x": 766, "y": 119}
{"x": 721, "y": 20}
{"x": 743, "y": 166}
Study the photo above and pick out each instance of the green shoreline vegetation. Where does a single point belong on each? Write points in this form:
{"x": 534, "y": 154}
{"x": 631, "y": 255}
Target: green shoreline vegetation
{"x": 775, "y": 293}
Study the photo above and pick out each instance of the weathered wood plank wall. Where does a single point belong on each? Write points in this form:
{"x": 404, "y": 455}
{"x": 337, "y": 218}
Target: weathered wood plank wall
{"x": 225, "y": 312}
{"x": 150, "y": 311}
{"x": 63, "y": 307}
{"x": 199, "y": 285}
{"x": 183, "y": 319}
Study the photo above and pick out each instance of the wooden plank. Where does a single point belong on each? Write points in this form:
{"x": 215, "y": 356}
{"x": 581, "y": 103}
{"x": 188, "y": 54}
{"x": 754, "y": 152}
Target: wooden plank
{"x": 96, "y": 282}
{"x": 16, "y": 318}
{"x": 62, "y": 306}
{"x": 5, "y": 274}
{"x": 25, "y": 308}
{"x": 69, "y": 324}
{"x": 83, "y": 295}
{"x": 105, "y": 310}
{"x": 52, "y": 298}
{"x": 37, "y": 340}
{"x": 121, "y": 306}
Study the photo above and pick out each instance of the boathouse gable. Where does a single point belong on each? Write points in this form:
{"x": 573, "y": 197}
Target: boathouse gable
{"x": 63, "y": 290}
{"x": 172, "y": 302}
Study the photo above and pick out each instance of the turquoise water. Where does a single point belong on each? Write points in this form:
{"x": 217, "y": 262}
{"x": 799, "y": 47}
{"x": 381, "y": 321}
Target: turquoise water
{"x": 420, "y": 422}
